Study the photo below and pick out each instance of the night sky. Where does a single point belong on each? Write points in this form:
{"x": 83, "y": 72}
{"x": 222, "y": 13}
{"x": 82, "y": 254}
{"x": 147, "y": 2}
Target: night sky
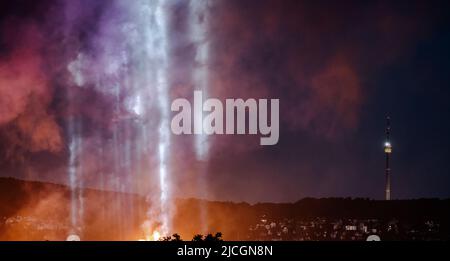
{"x": 338, "y": 68}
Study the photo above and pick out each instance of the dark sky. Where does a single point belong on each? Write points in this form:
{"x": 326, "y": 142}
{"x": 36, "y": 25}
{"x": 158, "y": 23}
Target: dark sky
{"x": 338, "y": 68}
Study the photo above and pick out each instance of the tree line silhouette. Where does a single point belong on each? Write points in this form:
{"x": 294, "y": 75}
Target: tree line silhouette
{"x": 197, "y": 238}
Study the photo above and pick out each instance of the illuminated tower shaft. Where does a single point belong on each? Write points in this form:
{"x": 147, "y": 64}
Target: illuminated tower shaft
{"x": 387, "y": 152}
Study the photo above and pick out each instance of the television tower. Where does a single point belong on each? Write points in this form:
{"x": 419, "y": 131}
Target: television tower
{"x": 387, "y": 152}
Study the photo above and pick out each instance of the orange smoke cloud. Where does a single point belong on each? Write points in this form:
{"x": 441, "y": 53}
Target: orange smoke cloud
{"x": 25, "y": 94}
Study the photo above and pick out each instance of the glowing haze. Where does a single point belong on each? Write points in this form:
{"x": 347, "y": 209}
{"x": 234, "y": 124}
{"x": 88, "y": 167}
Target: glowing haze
{"x": 86, "y": 88}
{"x": 133, "y": 51}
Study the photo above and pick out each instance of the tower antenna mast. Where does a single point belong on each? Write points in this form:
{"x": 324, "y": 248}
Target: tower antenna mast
{"x": 387, "y": 152}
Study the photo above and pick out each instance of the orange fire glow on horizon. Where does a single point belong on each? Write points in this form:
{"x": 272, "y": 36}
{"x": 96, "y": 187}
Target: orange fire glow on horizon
{"x": 155, "y": 236}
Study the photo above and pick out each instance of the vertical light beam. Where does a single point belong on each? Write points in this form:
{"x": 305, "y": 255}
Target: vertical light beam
{"x": 75, "y": 180}
{"x": 198, "y": 29}
{"x": 198, "y": 26}
{"x": 159, "y": 54}
{"x": 164, "y": 135}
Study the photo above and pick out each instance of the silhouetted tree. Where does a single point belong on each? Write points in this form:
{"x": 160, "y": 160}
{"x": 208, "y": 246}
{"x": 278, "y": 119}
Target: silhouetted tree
{"x": 168, "y": 238}
{"x": 209, "y": 238}
{"x": 213, "y": 238}
{"x": 176, "y": 237}
{"x": 218, "y": 236}
{"x": 197, "y": 238}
